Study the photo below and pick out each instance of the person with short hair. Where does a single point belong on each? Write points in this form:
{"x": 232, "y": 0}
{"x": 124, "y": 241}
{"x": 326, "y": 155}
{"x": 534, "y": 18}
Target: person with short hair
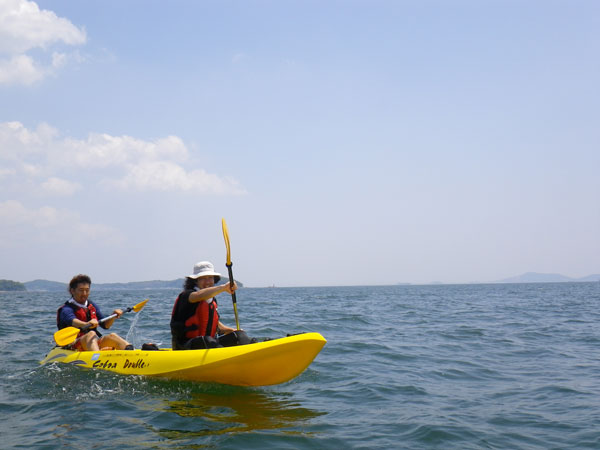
{"x": 195, "y": 318}
{"x": 80, "y": 312}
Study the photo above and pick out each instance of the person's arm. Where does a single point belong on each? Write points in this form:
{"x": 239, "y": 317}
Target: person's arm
{"x": 107, "y": 323}
{"x": 67, "y": 316}
{"x": 210, "y": 292}
{"x": 81, "y": 324}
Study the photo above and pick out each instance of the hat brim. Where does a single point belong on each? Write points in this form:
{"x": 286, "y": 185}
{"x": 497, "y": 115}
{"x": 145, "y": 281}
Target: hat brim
{"x": 216, "y": 275}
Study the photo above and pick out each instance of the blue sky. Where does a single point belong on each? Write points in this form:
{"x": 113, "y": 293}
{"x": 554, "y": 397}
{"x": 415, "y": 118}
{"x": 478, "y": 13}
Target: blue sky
{"x": 345, "y": 142}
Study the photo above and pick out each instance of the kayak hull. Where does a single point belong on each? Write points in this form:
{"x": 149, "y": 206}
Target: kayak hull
{"x": 259, "y": 364}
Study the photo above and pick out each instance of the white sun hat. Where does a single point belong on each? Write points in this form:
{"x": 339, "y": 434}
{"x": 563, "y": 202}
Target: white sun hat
{"x": 205, "y": 269}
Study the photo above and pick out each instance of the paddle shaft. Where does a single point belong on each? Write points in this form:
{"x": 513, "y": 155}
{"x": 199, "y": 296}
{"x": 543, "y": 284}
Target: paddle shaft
{"x": 135, "y": 308}
{"x": 114, "y": 315}
{"x": 104, "y": 319}
{"x": 233, "y": 297}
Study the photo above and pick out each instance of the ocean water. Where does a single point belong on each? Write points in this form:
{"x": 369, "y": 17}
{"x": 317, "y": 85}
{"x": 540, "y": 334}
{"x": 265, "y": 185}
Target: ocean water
{"x": 503, "y": 366}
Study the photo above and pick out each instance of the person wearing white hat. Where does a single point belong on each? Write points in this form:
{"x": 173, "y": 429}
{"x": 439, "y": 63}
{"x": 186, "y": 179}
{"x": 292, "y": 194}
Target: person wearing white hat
{"x": 195, "y": 316}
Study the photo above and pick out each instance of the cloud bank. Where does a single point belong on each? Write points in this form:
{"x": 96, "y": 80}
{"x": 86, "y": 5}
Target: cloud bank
{"x": 25, "y": 28}
{"x": 46, "y": 224}
{"x": 40, "y": 166}
{"x": 41, "y": 159}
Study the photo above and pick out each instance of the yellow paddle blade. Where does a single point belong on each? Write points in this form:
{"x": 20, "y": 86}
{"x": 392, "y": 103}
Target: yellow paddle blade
{"x": 140, "y": 305}
{"x": 65, "y": 336}
{"x": 226, "y": 236}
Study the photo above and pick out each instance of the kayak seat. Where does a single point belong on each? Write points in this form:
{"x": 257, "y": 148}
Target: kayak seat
{"x": 149, "y": 346}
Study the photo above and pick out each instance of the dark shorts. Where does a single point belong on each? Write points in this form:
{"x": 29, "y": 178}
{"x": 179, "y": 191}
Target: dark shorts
{"x": 228, "y": 340}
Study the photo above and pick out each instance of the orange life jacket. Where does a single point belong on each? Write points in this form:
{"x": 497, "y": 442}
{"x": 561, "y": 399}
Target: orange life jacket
{"x": 203, "y": 321}
{"x": 83, "y": 314}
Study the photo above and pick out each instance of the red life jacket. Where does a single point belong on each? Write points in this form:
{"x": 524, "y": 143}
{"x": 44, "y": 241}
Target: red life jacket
{"x": 204, "y": 321}
{"x": 83, "y": 314}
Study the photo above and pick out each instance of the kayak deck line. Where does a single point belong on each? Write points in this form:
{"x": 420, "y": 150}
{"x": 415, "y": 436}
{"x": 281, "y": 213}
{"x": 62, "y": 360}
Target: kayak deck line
{"x": 264, "y": 363}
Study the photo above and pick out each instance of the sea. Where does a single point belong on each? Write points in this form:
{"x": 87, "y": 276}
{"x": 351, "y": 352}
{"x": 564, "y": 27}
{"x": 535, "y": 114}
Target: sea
{"x": 481, "y": 366}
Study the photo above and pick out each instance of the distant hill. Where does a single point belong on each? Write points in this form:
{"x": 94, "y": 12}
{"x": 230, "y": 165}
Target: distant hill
{"x": 9, "y": 285}
{"x": 55, "y": 286}
{"x": 590, "y": 278}
{"x": 45, "y": 285}
{"x": 534, "y": 277}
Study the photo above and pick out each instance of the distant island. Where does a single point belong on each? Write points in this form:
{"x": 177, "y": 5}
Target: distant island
{"x": 528, "y": 277}
{"x": 56, "y": 286}
{"x": 9, "y": 285}
{"x": 534, "y": 277}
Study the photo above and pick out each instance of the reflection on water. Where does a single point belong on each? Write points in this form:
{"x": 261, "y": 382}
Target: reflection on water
{"x": 174, "y": 414}
{"x": 234, "y": 411}
{"x": 177, "y": 409}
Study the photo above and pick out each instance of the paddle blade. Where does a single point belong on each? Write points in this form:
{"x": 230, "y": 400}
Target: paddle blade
{"x": 66, "y": 336}
{"x": 226, "y": 236}
{"x": 140, "y": 305}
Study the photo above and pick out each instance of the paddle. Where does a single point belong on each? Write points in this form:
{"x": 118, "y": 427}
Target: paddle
{"x": 229, "y": 264}
{"x": 67, "y": 335}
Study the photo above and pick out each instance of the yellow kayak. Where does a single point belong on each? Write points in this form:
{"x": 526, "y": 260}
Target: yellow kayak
{"x": 259, "y": 364}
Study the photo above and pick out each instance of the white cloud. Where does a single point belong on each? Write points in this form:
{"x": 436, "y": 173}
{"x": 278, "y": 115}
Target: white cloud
{"x": 23, "y": 148}
{"x": 24, "y": 27}
{"x": 103, "y": 150}
{"x": 167, "y": 176}
{"x": 20, "y": 69}
{"x": 48, "y": 224}
{"x": 58, "y": 186}
{"x": 6, "y": 172}
{"x": 59, "y": 59}
{"x": 14, "y": 134}
{"x": 61, "y": 166}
